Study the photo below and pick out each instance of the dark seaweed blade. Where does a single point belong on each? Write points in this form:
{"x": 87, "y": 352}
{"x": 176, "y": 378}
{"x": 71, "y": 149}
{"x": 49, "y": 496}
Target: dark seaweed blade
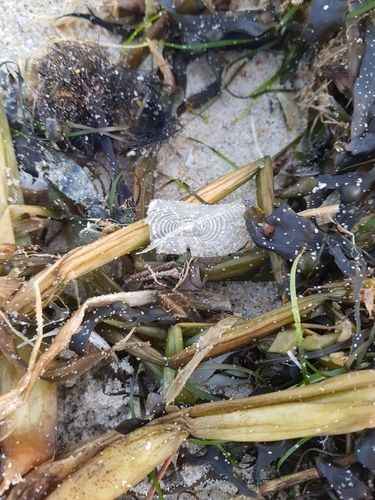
{"x": 292, "y": 233}
{"x": 325, "y": 19}
{"x": 345, "y": 483}
{"x": 129, "y": 425}
{"x": 55, "y": 167}
{"x": 363, "y": 118}
{"x": 351, "y": 263}
{"x": 220, "y": 465}
{"x": 267, "y": 453}
{"x": 347, "y": 184}
{"x": 215, "y": 63}
{"x": 364, "y": 88}
{"x": 129, "y": 315}
{"x": 256, "y": 27}
{"x": 351, "y": 188}
{"x": 364, "y": 449}
{"x": 116, "y": 28}
{"x": 356, "y": 33}
{"x": 211, "y": 28}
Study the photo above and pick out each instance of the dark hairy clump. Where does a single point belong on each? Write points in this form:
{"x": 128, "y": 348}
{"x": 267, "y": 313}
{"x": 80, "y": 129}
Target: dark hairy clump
{"x": 76, "y": 84}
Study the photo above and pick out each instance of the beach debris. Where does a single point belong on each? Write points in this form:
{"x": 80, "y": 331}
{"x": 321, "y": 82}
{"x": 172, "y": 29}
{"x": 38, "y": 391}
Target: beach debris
{"x": 203, "y": 231}
{"x": 92, "y": 103}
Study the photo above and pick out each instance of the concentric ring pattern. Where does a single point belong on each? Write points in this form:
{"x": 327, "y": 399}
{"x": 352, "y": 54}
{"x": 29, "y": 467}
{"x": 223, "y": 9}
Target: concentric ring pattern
{"x": 204, "y": 230}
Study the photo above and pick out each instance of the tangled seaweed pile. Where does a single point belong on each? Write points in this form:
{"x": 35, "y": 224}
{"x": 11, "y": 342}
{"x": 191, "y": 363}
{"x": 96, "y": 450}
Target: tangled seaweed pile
{"x": 111, "y": 300}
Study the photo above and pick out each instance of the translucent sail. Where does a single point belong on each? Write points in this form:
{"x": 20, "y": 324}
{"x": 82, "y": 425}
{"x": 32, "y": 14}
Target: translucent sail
{"x": 203, "y": 230}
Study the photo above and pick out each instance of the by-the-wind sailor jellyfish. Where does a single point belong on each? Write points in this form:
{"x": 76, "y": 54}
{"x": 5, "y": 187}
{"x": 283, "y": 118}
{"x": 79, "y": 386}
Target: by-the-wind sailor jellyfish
{"x": 203, "y": 230}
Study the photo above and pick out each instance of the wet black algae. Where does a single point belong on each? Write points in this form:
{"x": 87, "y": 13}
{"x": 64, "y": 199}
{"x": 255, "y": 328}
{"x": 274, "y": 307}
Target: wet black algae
{"x": 77, "y": 84}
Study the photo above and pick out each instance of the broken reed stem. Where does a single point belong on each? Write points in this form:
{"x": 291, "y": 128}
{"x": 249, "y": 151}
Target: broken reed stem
{"x": 143, "y": 184}
{"x": 10, "y": 191}
{"x": 85, "y": 259}
{"x": 257, "y": 327}
{"x": 230, "y": 339}
{"x": 49, "y": 475}
{"x": 281, "y": 483}
{"x": 266, "y": 201}
{"x": 339, "y": 385}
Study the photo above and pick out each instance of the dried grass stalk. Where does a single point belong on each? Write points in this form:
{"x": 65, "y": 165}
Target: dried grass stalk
{"x": 204, "y": 347}
{"x": 10, "y": 190}
{"x": 16, "y": 397}
{"x": 333, "y": 388}
{"x": 85, "y": 259}
{"x": 29, "y": 435}
{"x": 266, "y": 201}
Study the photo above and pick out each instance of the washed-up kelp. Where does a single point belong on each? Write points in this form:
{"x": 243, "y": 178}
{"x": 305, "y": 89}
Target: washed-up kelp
{"x": 252, "y": 28}
{"x": 129, "y": 316}
{"x": 352, "y": 188}
{"x": 321, "y": 253}
{"x": 325, "y": 19}
{"x": 289, "y": 234}
{"x": 220, "y": 465}
{"x": 346, "y": 481}
{"x": 204, "y": 28}
{"x": 347, "y": 63}
{"x": 365, "y": 449}
{"x": 192, "y": 28}
{"x": 116, "y": 28}
{"x": 361, "y": 144}
{"x": 51, "y": 166}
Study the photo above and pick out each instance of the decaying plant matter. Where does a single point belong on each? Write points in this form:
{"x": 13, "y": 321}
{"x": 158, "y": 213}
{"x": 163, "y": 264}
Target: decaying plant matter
{"x": 110, "y": 295}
